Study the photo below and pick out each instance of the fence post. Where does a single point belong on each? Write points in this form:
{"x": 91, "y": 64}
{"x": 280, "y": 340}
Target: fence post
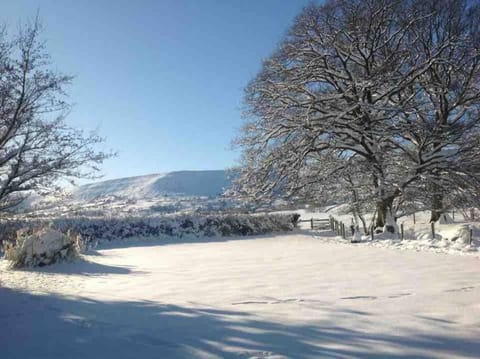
{"x": 343, "y": 231}
{"x": 311, "y": 223}
{"x": 372, "y": 228}
{"x": 401, "y": 230}
{"x": 471, "y": 236}
{"x": 453, "y": 215}
{"x": 331, "y": 224}
{"x": 414, "y": 221}
{"x": 433, "y": 230}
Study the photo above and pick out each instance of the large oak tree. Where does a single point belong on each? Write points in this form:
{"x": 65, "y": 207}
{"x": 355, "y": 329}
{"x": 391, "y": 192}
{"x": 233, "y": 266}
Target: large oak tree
{"x": 360, "y": 80}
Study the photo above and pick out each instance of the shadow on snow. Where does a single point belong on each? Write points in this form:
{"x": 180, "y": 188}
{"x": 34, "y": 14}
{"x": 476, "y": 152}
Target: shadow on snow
{"x": 49, "y": 326}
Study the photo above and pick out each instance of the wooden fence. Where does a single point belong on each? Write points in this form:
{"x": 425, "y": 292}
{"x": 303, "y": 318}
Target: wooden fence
{"x": 340, "y": 229}
{"x": 318, "y": 223}
{"x": 328, "y": 224}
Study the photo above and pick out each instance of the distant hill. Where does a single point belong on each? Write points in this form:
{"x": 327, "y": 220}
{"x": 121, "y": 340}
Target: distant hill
{"x": 181, "y": 183}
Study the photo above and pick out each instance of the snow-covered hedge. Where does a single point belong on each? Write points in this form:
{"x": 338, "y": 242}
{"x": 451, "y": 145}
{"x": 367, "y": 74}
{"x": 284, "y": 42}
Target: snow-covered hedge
{"x": 93, "y": 230}
{"x": 40, "y": 247}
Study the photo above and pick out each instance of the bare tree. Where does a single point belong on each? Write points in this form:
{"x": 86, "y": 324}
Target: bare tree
{"x": 37, "y": 147}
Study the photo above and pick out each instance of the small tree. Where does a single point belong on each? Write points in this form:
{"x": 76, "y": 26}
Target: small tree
{"x": 37, "y": 147}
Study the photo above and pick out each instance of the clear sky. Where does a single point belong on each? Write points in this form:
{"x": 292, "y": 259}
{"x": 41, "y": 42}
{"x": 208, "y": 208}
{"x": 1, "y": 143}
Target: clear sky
{"x": 161, "y": 80}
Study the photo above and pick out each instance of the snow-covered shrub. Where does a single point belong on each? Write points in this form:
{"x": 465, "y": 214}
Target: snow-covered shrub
{"x": 92, "y": 230}
{"x": 42, "y": 247}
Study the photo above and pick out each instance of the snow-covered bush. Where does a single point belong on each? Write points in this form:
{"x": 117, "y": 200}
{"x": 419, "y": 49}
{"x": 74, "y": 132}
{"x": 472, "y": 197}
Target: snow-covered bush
{"x": 93, "y": 230}
{"x": 42, "y": 247}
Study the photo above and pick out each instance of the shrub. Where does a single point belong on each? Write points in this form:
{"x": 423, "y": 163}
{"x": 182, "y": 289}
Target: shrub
{"x": 42, "y": 247}
{"x": 93, "y": 230}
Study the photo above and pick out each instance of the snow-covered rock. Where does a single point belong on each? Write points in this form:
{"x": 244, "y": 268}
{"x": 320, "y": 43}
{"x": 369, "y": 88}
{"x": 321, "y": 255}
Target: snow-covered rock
{"x": 43, "y": 247}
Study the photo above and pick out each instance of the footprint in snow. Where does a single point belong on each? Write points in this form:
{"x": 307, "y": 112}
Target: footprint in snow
{"x": 250, "y": 302}
{"x": 371, "y": 297}
{"x": 274, "y": 301}
{"x": 399, "y": 295}
{"x": 463, "y": 289}
{"x": 278, "y": 301}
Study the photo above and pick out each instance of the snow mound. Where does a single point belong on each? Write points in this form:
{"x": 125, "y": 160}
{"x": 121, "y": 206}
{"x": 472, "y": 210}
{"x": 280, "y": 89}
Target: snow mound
{"x": 460, "y": 233}
{"x": 44, "y": 247}
{"x": 446, "y": 232}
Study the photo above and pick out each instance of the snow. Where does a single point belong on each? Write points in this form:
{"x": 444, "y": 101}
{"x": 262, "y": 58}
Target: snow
{"x": 298, "y": 296}
{"x": 185, "y": 183}
{"x": 451, "y": 238}
{"x": 182, "y": 191}
{"x": 43, "y": 247}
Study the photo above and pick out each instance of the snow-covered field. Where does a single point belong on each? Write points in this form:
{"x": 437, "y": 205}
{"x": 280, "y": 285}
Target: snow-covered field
{"x": 297, "y": 295}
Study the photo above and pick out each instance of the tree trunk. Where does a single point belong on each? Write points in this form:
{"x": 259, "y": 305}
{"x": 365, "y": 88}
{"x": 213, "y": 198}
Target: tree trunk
{"x": 441, "y": 119}
{"x": 385, "y": 211}
{"x": 381, "y": 214}
{"x": 384, "y": 205}
{"x": 364, "y": 224}
{"x": 437, "y": 203}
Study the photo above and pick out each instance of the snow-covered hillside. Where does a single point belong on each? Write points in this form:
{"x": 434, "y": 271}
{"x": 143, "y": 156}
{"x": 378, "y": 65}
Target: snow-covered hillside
{"x": 173, "y": 192}
{"x": 181, "y": 183}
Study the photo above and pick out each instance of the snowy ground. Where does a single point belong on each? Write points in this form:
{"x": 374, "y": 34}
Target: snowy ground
{"x": 296, "y": 296}
{"x": 417, "y": 234}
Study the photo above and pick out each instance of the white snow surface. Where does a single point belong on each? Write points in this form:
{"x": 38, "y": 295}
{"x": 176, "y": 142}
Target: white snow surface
{"x": 287, "y": 296}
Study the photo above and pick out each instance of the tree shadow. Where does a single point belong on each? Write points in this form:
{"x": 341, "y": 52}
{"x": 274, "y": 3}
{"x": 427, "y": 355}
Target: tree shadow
{"x": 48, "y": 326}
{"x": 82, "y": 267}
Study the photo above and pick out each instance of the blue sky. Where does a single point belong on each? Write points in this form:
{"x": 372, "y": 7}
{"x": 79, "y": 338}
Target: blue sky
{"x": 161, "y": 80}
